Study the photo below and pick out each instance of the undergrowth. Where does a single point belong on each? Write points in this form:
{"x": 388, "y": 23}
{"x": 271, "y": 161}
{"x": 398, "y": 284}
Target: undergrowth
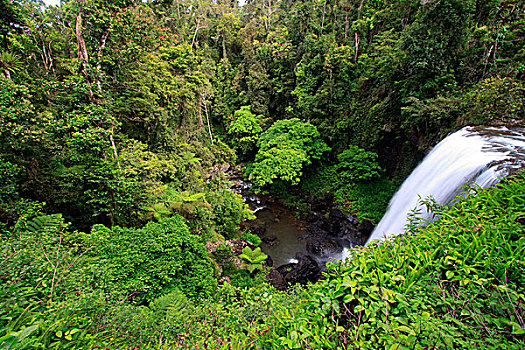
{"x": 456, "y": 284}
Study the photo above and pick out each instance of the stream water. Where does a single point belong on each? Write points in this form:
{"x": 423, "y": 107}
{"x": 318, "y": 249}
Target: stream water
{"x": 282, "y": 235}
{"x": 281, "y": 232}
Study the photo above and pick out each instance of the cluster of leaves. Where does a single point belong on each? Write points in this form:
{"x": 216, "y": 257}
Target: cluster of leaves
{"x": 356, "y": 183}
{"x": 284, "y": 150}
{"x": 254, "y": 258}
{"x": 244, "y": 131}
{"x": 142, "y": 264}
{"x": 252, "y": 238}
{"x": 356, "y": 165}
{"x": 367, "y": 200}
{"x": 115, "y": 288}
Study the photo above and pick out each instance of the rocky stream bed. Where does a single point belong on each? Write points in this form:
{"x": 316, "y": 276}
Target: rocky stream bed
{"x": 300, "y": 244}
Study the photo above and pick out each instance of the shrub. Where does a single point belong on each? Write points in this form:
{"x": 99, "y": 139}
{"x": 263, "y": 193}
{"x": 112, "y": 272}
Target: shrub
{"x": 367, "y": 200}
{"x": 284, "y": 150}
{"x": 357, "y": 165}
{"x": 244, "y": 130}
{"x": 228, "y": 211}
{"x": 143, "y": 264}
{"x": 252, "y": 238}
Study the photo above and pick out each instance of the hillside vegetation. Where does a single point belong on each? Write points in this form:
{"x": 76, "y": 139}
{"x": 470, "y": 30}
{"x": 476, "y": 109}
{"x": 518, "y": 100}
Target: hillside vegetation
{"x": 122, "y": 121}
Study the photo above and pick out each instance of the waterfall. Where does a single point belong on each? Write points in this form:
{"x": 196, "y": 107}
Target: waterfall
{"x": 471, "y": 155}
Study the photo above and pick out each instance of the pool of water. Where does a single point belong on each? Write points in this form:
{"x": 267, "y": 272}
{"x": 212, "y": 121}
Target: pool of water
{"x": 283, "y": 225}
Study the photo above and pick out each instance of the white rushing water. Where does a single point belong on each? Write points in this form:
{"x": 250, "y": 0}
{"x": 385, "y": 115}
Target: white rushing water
{"x": 470, "y": 155}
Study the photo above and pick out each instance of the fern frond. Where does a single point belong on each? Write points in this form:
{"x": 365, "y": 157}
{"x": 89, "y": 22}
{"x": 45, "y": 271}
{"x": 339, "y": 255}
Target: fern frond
{"x": 45, "y": 223}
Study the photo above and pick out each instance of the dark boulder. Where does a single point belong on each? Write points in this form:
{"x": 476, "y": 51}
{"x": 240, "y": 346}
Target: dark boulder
{"x": 270, "y": 240}
{"x": 320, "y": 227}
{"x": 366, "y": 227}
{"x": 269, "y": 261}
{"x": 340, "y": 225}
{"x": 259, "y": 230}
{"x": 306, "y": 270}
{"x": 323, "y": 247}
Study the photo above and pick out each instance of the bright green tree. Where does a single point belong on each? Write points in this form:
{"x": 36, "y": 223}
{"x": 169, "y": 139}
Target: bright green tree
{"x": 244, "y": 130}
{"x": 284, "y": 150}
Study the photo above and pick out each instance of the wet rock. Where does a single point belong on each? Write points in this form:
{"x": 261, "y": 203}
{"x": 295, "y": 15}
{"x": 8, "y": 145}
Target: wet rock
{"x": 323, "y": 247}
{"x": 366, "y": 227}
{"x": 259, "y": 230}
{"x": 306, "y": 270}
{"x": 270, "y": 240}
{"x": 269, "y": 261}
{"x": 352, "y": 220}
{"x": 311, "y": 217}
{"x": 324, "y": 204}
{"x": 276, "y": 279}
{"x": 340, "y": 225}
{"x": 321, "y": 227}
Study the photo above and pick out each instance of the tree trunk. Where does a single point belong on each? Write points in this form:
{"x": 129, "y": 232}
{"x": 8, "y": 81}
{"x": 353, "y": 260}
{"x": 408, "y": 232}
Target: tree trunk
{"x": 195, "y": 33}
{"x": 224, "y": 47}
{"x": 322, "y": 22}
{"x": 208, "y": 121}
{"x": 199, "y": 111}
{"x": 356, "y": 36}
{"x": 99, "y": 58}
{"x": 82, "y": 51}
{"x": 356, "y": 46}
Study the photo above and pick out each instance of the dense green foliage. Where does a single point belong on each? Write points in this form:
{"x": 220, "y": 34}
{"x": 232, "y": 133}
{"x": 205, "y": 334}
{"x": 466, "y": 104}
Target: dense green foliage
{"x": 284, "y": 150}
{"x": 456, "y": 284}
{"x": 244, "y": 131}
{"x": 119, "y": 123}
{"x": 145, "y": 263}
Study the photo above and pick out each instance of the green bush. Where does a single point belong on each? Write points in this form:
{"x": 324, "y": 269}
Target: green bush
{"x": 357, "y": 165}
{"x": 223, "y": 252}
{"x": 284, "y": 150}
{"x": 45, "y": 302}
{"x": 228, "y": 210}
{"x": 244, "y": 131}
{"x": 367, "y": 200}
{"x": 252, "y": 238}
{"x": 143, "y": 264}
{"x": 493, "y": 100}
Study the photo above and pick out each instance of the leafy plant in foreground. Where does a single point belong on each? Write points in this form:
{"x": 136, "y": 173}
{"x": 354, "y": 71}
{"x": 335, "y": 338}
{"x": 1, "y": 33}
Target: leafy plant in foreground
{"x": 254, "y": 258}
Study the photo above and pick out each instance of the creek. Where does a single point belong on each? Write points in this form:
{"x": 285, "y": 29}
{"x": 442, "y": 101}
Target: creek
{"x": 276, "y": 225}
{"x": 322, "y": 236}
{"x": 282, "y": 237}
